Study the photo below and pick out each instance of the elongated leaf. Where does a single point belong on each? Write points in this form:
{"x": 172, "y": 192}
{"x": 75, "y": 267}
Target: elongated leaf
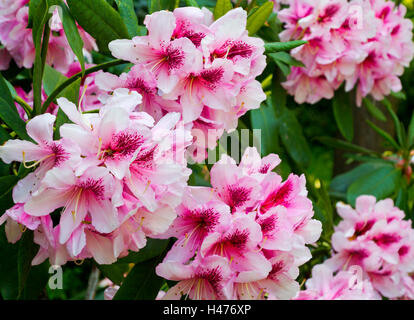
{"x": 286, "y": 58}
{"x": 27, "y": 251}
{"x": 272, "y": 47}
{"x": 293, "y": 139}
{"x": 342, "y": 182}
{"x": 158, "y": 5}
{"x": 100, "y": 20}
{"x": 127, "y": 12}
{"x": 344, "y": 145}
{"x": 13, "y": 120}
{"x": 153, "y": 249}
{"x": 265, "y": 119}
{"x": 374, "y": 110}
{"x": 343, "y": 115}
{"x": 141, "y": 283}
{"x": 222, "y": 7}
{"x": 192, "y": 3}
{"x": 259, "y": 17}
{"x": 410, "y": 134}
{"x": 114, "y": 272}
{"x": 72, "y": 34}
{"x": 384, "y": 134}
{"x": 380, "y": 183}
{"x": 397, "y": 123}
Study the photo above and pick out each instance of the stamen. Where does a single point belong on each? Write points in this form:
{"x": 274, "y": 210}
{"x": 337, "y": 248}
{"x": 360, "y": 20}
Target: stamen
{"x": 158, "y": 63}
{"x": 82, "y": 96}
{"x": 37, "y": 162}
{"x": 76, "y": 204}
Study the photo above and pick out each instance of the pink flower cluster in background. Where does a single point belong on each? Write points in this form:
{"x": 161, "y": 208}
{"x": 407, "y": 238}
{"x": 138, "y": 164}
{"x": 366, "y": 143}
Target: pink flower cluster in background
{"x": 245, "y": 237}
{"x": 375, "y": 239}
{"x": 18, "y": 44}
{"x": 363, "y": 44}
{"x": 116, "y": 174}
{"x": 189, "y": 64}
{"x": 344, "y": 285}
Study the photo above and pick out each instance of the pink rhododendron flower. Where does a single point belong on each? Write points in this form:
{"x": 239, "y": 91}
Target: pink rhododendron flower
{"x": 344, "y": 285}
{"x": 189, "y": 64}
{"x": 18, "y": 39}
{"x": 250, "y": 219}
{"x": 115, "y": 176}
{"x": 365, "y": 44}
{"x": 375, "y": 237}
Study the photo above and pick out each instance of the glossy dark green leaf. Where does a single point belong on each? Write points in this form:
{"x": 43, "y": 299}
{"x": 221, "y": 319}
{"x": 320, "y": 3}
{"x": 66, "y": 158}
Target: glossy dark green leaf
{"x": 100, "y": 20}
{"x": 158, "y": 5}
{"x": 291, "y": 135}
{"x": 114, "y": 272}
{"x": 154, "y": 248}
{"x": 127, "y": 12}
{"x": 265, "y": 119}
{"x": 380, "y": 183}
{"x": 72, "y": 33}
{"x": 283, "y": 46}
{"x": 341, "y": 183}
{"x": 142, "y": 283}
{"x": 343, "y": 115}
{"x": 192, "y": 3}
{"x": 8, "y": 112}
{"x": 286, "y": 58}
{"x": 410, "y": 134}
{"x": 27, "y": 251}
{"x": 256, "y": 20}
{"x": 221, "y": 8}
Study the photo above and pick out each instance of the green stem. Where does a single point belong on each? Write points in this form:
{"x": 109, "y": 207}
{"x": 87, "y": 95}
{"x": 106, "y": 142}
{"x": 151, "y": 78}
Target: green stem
{"x": 55, "y": 93}
{"x": 37, "y": 81}
{"x": 25, "y": 105}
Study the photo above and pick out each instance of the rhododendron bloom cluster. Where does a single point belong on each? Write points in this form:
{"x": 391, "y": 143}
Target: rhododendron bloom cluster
{"x": 243, "y": 238}
{"x": 114, "y": 178}
{"x": 189, "y": 64}
{"x": 18, "y": 43}
{"x": 364, "y": 44}
{"x": 375, "y": 237}
{"x": 344, "y": 285}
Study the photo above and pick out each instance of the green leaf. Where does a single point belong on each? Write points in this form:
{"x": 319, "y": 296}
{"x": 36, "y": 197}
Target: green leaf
{"x": 127, "y": 12}
{"x": 114, "y": 272}
{"x": 192, "y": 3}
{"x": 264, "y": 118}
{"x": 72, "y": 34}
{"x": 380, "y": 183}
{"x": 344, "y": 145}
{"x": 154, "y": 248}
{"x": 256, "y": 20}
{"x": 341, "y": 183}
{"x": 158, "y": 5}
{"x": 397, "y": 123}
{"x": 27, "y": 251}
{"x": 343, "y": 115}
{"x": 286, "y": 58}
{"x": 142, "y": 283}
{"x": 272, "y": 47}
{"x": 410, "y": 135}
{"x": 221, "y": 8}
{"x": 8, "y": 112}
{"x": 293, "y": 139}
{"x": 8, "y": 267}
{"x": 374, "y": 110}
{"x": 384, "y": 134}
{"x": 100, "y": 20}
